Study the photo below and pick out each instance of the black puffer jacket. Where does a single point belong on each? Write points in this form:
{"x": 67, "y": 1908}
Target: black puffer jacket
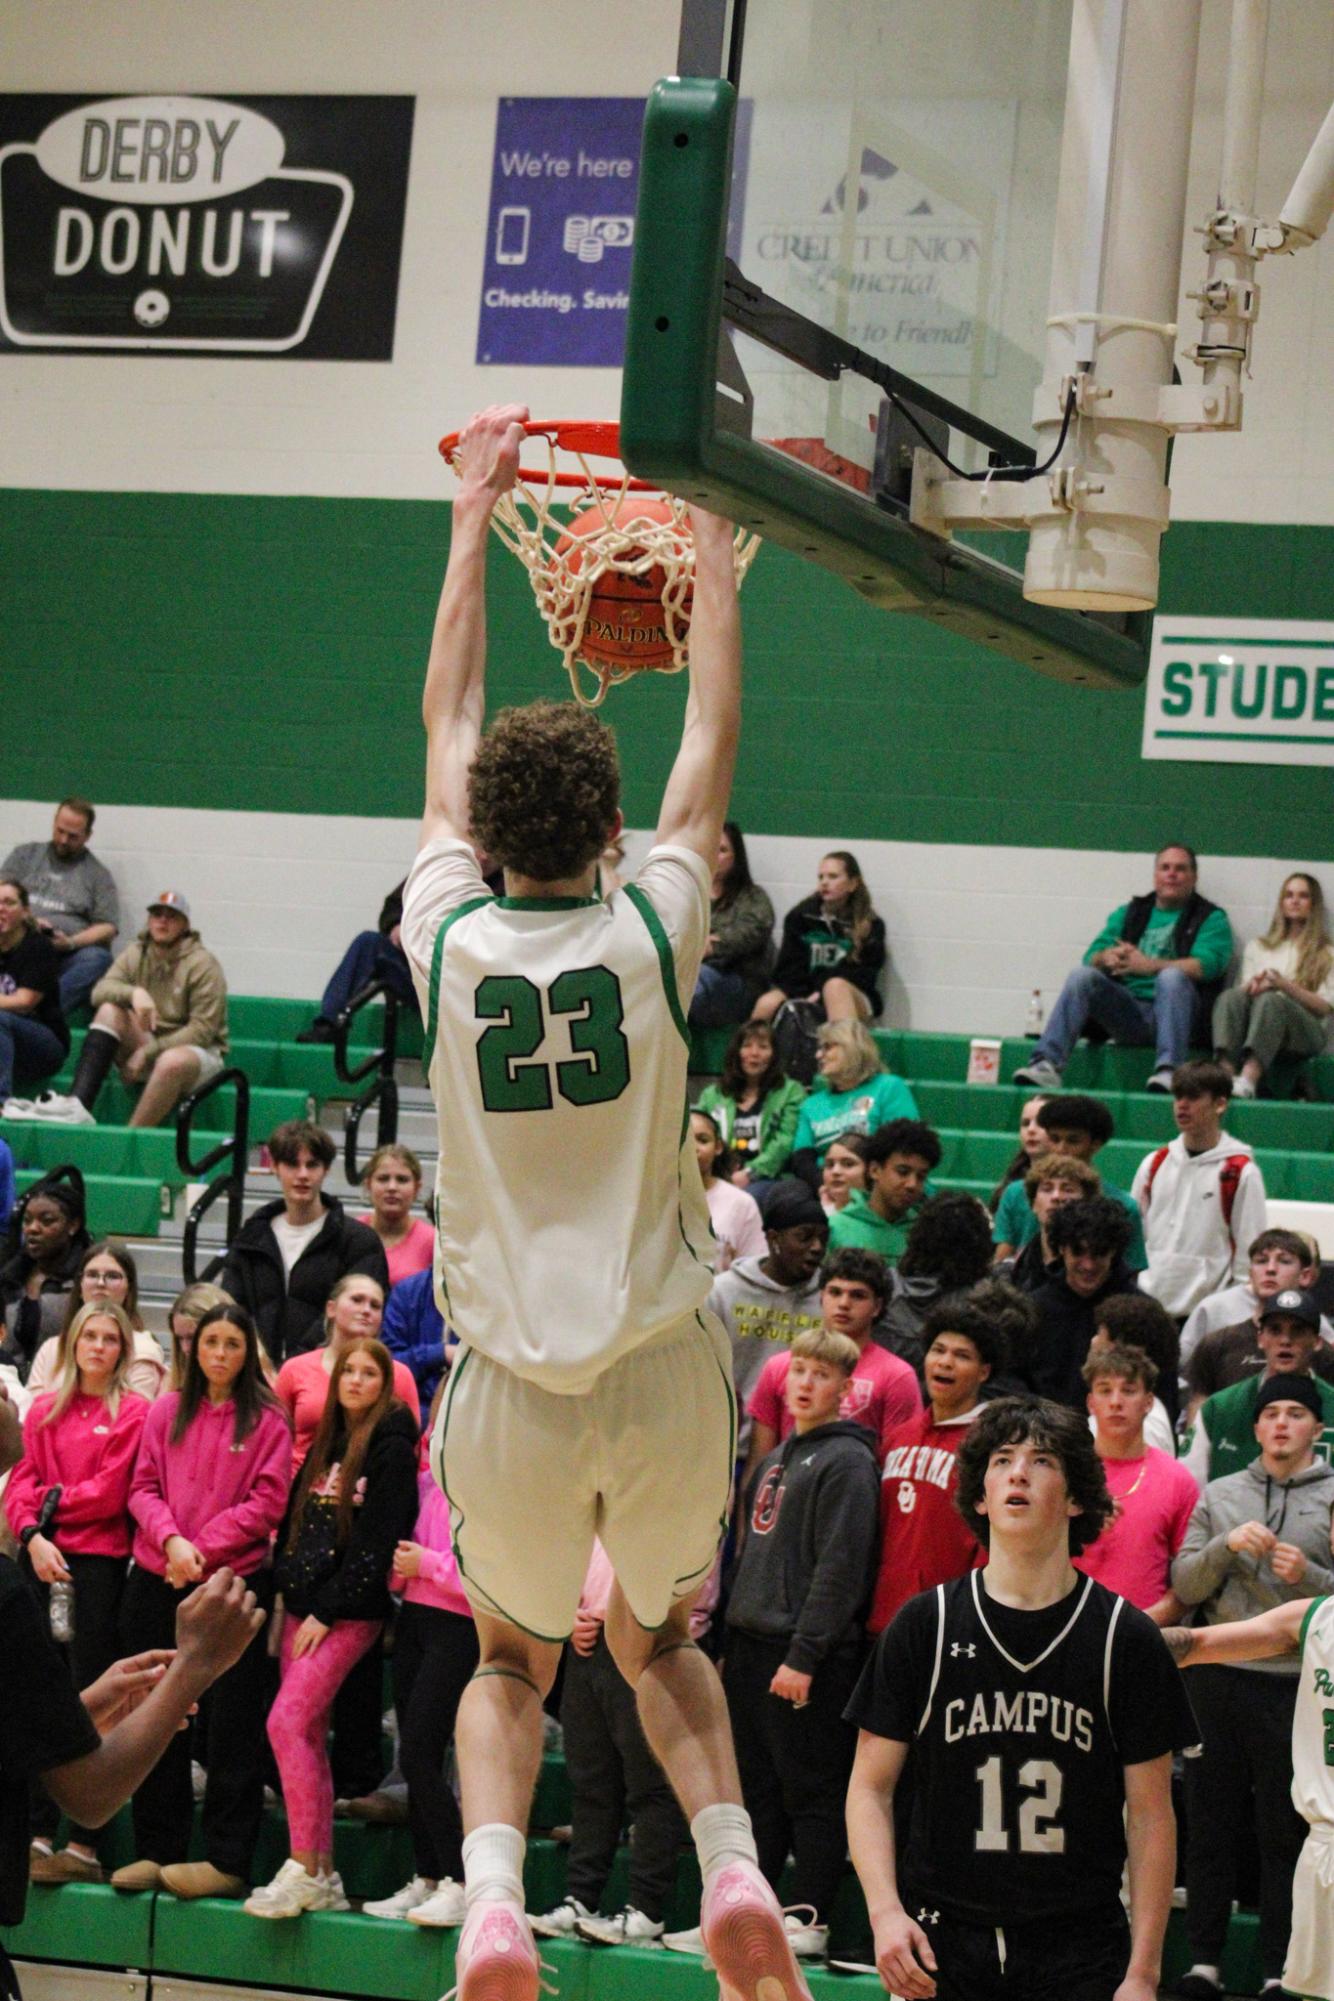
{"x": 353, "y": 1582}
{"x": 289, "y": 1310}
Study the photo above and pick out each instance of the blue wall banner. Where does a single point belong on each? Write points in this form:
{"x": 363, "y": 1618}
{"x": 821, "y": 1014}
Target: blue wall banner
{"x": 560, "y": 230}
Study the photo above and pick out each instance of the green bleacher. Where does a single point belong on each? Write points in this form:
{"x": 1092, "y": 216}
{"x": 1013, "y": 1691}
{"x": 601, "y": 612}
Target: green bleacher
{"x": 133, "y": 1178}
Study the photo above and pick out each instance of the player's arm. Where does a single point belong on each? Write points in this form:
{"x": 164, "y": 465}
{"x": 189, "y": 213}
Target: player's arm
{"x": 903, "y": 1955}
{"x": 1269, "y": 1634}
{"x": 1151, "y": 1839}
{"x": 695, "y": 802}
{"x": 454, "y": 700}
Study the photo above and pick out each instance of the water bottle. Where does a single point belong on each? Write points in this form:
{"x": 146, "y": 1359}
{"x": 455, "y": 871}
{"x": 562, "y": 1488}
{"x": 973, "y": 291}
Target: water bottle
{"x": 1033, "y": 1019}
{"x": 62, "y": 1613}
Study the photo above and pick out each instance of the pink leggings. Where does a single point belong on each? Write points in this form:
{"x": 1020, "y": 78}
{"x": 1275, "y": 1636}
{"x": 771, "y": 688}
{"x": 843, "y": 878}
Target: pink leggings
{"x": 299, "y": 1725}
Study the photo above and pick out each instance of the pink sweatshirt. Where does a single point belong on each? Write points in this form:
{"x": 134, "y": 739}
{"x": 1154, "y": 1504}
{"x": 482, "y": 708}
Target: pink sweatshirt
{"x": 437, "y": 1584}
{"x": 599, "y": 1578}
{"x": 224, "y": 1498}
{"x": 89, "y": 1455}
{"x": 303, "y": 1385}
{"x": 415, "y": 1252}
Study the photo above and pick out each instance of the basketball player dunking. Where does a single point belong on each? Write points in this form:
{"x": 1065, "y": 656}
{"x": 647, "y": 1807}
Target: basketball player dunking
{"x": 1304, "y": 1626}
{"x": 1039, "y": 1709}
{"x": 591, "y": 1394}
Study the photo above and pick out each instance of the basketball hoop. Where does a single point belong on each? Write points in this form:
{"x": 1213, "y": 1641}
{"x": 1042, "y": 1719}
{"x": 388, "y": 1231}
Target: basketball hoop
{"x": 612, "y": 572}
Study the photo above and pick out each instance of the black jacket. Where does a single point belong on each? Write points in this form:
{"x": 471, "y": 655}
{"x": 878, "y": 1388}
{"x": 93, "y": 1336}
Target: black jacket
{"x": 815, "y": 948}
{"x": 25, "y": 1323}
{"x": 353, "y": 1582}
{"x": 1067, "y": 1323}
{"x": 289, "y": 1311}
{"x": 809, "y": 1559}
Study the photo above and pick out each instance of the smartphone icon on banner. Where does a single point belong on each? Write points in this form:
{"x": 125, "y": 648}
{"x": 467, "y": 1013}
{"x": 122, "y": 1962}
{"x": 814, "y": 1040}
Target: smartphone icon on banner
{"x": 512, "y": 225}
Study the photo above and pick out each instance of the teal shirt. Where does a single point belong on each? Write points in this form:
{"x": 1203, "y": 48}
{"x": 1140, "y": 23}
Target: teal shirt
{"x": 1228, "y": 1420}
{"x": 859, "y": 1225}
{"x": 868, "y": 1105}
{"x": 1016, "y": 1224}
{"x": 1212, "y": 947}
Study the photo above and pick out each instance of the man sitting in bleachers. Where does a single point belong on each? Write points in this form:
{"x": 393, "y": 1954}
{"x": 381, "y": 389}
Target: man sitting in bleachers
{"x": 1153, "y": 972}
{"x": 161, "y": 1016}
{"x": 372, "y": 955}
{"x": 72, "y": 897}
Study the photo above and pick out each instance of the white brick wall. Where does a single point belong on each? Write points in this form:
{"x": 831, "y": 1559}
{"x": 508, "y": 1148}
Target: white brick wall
{"x": 277, "y": 896}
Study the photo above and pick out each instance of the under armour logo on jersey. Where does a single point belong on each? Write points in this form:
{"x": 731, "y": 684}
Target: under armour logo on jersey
{"x": 958, "y": 1647}
{"x": 925, "y": 1917}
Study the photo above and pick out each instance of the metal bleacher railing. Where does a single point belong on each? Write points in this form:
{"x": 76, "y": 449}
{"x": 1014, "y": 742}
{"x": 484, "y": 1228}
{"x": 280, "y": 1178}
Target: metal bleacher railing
{"x": 235, "y": 1149}
{"x": 379, "y": 1064}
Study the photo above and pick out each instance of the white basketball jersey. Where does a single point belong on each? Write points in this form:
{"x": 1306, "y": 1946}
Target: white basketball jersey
{"x": 571, "y": 1224}
{"x": 1313, "y": 1723}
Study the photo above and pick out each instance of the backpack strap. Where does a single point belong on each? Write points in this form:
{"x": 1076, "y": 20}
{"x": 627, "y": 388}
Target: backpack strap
{"x": 1229, "y": 1180}
{"x": 1155, "y": 1162}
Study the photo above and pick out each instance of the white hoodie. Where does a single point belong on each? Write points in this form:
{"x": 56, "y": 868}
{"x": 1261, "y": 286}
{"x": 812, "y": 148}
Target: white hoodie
{"x": 1192, "y": 1251}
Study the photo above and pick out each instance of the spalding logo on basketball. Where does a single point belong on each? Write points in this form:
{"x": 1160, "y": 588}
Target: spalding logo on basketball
{"x": 626, "y": 627}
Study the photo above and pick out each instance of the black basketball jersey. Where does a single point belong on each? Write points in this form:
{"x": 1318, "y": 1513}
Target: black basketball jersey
{"x": 1020, "y": 1725}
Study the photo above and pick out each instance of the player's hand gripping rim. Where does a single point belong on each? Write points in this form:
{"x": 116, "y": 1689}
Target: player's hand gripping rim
{"x": 488, "y": 450}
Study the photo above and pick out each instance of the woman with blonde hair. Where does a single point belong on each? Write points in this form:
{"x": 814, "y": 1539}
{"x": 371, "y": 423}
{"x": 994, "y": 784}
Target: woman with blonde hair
{"x": 1285, "y": 996}
{"x": 853, "y": 1093}
{"x": 393, "y": 1181}
{"x": 354, "y": 1503}
{"x": 107, "y": 1274}
{"x": 80, "y": 1441}
{"x": 354, "y": 1312}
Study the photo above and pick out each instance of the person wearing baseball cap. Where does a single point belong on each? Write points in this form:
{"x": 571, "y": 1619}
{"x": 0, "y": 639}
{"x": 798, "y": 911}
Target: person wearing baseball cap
{"x": 161, "y": 1018}
{"x": 764, "y": 1303}
{"x": 1258, "y": 1538}
{"x": 1287, "y": 1335}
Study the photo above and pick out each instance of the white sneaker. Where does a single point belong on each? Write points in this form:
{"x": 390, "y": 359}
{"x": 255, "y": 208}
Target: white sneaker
{"x": 294, "y": 1890}
{"x": 1161, "y": 1082}
{"x": 1242, "y": 1087}
{"x": 444, "y": 1908}
{"x": 691, "y": 1941}
{"x": 806, "y": 1941}
{"x": 409, "y": 1898}
{"x": 628, "y": 1927}
{"x": 561, "y": 1922}
{"x": 16, "y": 1108}
{"x": 1041, "y": 1074}
{"x": 58, "y": 1111}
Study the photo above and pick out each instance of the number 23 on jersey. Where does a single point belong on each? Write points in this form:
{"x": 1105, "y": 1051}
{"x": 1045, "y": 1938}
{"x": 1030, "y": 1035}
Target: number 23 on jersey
{"x": 513, "y": 1078}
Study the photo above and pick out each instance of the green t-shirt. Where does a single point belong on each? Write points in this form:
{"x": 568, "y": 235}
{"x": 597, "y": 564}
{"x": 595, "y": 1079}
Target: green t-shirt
{"x": 866, "y": 1106}
{"x": 860, "y": 1225}
{"x": 1212, "y": 947}
{"x": 1016, "y": 1224}
{"x": 1228, "y": 1418}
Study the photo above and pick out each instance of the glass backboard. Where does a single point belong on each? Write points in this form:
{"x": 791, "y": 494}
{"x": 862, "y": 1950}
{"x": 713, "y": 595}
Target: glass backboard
{"x": 886, "y": 189}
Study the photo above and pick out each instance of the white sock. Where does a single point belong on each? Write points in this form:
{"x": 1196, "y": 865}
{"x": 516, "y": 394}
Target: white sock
{"x": 722, "y": 1834}
{"x": 493, "y": 1863}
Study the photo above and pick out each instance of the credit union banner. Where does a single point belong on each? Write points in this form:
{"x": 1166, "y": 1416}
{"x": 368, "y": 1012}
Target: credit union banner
{"x": 261, "y": 226}
{"x": 1240, "y": 691}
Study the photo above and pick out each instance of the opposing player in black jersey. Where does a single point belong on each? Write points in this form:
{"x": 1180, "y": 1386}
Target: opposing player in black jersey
{"x": 1037, "y": 1707}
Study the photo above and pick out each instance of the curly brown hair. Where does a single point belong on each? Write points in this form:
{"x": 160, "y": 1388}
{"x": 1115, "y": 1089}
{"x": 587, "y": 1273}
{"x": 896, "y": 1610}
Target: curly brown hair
{"x": 544, "y": 789}
{"x": 1051, "y": 1428}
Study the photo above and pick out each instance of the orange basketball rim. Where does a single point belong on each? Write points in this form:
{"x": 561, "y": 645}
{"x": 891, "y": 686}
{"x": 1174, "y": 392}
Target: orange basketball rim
{"x": 610, "y": 558}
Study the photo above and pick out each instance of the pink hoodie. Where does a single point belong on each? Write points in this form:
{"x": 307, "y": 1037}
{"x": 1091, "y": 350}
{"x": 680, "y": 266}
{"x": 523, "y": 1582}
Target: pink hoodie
{"x": 90, "y": 1456}
{"x": 437, "y": 1584}
{"x": 226, "y": 1499}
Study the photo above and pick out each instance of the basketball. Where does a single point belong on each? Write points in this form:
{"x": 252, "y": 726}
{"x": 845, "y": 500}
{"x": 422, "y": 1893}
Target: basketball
{"x": 626, "y": 625}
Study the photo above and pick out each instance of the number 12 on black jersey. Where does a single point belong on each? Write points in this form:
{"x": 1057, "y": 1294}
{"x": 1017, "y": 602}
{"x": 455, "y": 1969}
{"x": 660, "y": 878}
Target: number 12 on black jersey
{"x": 1040, "y": 1833}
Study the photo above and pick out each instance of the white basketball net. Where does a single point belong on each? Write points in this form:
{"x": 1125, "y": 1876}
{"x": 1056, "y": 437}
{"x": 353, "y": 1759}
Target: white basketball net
{"x": 533, "y": 519}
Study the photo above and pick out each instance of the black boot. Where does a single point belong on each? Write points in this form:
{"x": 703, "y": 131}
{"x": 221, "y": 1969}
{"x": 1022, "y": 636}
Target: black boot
{"x": 95, "y": 1060}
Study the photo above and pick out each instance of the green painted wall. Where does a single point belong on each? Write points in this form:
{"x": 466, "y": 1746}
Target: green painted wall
{"x": 266, "y": 654}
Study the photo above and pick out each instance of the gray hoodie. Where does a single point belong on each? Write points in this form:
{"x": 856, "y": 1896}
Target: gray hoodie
{"x": 1227, "y": 1584}
{"x": 762, "y": 1318}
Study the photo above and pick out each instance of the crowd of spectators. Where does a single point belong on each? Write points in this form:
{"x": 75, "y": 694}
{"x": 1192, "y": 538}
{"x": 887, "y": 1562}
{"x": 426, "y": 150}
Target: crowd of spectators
{"x": 872, "y": 1313}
